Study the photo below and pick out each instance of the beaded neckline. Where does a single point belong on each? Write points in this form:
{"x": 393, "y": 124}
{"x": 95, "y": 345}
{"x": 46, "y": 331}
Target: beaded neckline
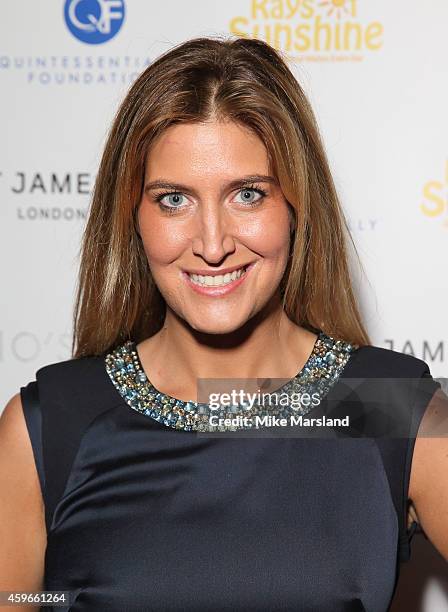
{"x": 321, "y": 370}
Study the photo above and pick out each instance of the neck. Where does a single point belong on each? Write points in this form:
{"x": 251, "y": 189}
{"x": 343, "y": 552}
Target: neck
{"x": 269, "y": 345}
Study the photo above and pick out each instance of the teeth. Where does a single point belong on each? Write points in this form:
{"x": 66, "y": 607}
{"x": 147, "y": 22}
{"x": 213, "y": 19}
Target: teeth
{"x": 217, "y": 281}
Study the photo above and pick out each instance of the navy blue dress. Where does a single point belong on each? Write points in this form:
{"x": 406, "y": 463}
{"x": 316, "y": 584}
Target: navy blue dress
{"x": 144, "y": 517}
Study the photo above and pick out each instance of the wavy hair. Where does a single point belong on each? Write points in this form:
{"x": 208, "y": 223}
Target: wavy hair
{"x": 243, "y": 80}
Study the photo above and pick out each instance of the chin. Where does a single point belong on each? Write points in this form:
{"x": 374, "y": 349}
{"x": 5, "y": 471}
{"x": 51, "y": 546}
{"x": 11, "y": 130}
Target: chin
{"x": 214, "y": 326}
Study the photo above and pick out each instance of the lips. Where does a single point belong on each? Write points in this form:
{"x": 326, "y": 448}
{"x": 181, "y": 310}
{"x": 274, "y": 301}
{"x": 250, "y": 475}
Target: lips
{"x": 218, "y": 284}
{"x": 217, "y": 280}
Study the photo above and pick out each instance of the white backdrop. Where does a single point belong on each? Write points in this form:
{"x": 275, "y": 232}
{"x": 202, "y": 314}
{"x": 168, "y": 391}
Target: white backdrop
{"x": 376, "y": 74}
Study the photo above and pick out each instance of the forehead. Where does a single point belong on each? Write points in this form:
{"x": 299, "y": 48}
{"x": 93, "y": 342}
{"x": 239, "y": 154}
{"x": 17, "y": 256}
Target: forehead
{"x": 206, "y": 149}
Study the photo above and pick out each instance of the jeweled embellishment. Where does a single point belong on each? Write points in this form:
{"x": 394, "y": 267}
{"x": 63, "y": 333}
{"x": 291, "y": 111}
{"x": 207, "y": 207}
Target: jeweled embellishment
{"x": 320, "y": 372}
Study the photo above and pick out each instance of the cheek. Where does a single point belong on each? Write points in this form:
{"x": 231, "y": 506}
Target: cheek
{"x": 163, "y": 241}
{"x": 269, "y": 234}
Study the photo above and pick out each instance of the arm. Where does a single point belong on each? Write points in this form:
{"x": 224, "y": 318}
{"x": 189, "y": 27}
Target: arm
{"x": 428, "y": 486}
{"x": 22, "y": 515}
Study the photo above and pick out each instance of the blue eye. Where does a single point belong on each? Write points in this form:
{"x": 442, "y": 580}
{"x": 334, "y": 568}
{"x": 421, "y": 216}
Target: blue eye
{"x": 251, "y": 191}
{"x": 174, "y": 203}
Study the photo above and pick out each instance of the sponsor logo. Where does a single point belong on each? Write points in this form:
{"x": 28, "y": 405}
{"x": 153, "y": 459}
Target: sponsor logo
{"x": 52, "y": 196}
{"x": 94, "y": 21}
{"x": 312, "y": 30}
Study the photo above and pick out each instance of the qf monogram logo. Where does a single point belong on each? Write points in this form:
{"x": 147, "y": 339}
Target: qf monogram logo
{"x": 94, "y": 21}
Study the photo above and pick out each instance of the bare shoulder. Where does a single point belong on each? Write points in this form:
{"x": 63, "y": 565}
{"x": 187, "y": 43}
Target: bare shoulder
{"x": 428, "y": 486}
{"x": 22, "y": 513}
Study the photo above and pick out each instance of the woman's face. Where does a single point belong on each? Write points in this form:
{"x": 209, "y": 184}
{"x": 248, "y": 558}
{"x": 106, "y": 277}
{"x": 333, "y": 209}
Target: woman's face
{"x": 214, "y": 224}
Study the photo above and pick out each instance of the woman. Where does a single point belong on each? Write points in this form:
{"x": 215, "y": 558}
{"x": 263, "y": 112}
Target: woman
{"x": 215, "y": 248}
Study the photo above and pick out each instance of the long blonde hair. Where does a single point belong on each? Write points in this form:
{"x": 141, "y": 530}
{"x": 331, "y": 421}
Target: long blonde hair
{"x": 246, "y": 81}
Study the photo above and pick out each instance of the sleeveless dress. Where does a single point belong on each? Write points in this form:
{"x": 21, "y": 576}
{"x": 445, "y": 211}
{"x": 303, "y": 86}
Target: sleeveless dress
{"x": 143, "y": 515}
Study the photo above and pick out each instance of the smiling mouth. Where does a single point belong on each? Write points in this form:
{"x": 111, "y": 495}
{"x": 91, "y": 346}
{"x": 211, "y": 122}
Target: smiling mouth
{"x": 220, "y": 280}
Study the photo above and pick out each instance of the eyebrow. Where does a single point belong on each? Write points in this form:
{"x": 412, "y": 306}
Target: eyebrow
{"x": 240, "y": 182}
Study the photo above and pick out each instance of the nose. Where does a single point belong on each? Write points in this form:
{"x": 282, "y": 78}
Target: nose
{"x": 214, "y": 233}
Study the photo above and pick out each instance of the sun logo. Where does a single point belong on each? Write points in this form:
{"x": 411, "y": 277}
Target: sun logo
{"x": 339, "y": 7}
